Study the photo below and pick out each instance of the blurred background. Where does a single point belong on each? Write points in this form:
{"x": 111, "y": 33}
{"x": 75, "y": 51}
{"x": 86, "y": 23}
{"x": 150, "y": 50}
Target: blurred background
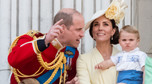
{"x": 19, "y": 16}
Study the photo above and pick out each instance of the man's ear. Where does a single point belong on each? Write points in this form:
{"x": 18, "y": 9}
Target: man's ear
{"x": 64, "y": 27}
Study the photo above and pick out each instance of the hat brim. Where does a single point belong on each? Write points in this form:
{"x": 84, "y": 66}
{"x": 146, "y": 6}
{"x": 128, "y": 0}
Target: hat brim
{"x": 95, "y": 16}
{"x": 117, "y": 16}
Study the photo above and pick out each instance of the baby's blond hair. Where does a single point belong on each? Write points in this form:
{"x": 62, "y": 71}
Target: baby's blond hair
{"x": 130, "y": 29}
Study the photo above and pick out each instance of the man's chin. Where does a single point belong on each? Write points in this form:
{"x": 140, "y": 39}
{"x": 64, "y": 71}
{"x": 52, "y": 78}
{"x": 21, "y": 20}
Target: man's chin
{"x": 75, "y": 46}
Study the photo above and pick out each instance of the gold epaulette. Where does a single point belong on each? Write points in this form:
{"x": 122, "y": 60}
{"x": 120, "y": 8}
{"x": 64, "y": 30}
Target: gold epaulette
{"x": 31, "y": 33}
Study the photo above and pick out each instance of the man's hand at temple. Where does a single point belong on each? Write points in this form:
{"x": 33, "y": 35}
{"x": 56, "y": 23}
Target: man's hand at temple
{"x": 54, "y": 32}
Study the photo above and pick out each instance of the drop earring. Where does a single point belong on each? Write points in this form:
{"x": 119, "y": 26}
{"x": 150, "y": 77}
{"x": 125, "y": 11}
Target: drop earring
{"x": 111, "y": 37}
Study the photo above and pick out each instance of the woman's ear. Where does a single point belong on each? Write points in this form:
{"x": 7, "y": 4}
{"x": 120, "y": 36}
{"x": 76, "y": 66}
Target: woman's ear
{"x": 113, "y": 31}
{"x": 119, "y": 40}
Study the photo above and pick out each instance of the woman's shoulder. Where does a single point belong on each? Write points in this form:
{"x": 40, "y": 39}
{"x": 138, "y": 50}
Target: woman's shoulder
{"x": 115, "y": 50}
{"x": 87, "y": 57}
{"x": 88, "y": 54}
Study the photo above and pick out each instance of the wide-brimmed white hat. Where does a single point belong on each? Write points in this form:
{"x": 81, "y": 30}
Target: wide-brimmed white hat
{"x": 114, "y": 11}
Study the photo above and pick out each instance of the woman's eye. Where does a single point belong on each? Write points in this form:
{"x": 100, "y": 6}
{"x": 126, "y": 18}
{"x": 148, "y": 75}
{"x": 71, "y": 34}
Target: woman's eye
{"x": 106, "y": 24}
{"x": 95, "y": 24}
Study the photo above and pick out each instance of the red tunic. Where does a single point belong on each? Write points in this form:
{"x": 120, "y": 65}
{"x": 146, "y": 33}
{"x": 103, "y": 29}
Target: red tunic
{"x": 24, "y": 58}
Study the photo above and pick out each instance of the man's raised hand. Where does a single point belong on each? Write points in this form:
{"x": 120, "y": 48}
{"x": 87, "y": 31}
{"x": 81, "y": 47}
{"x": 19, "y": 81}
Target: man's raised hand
{"x": 54, "y": 32}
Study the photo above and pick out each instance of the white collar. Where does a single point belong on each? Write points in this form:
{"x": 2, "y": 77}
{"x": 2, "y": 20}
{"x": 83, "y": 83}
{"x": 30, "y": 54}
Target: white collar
{"x": 136, "y": 49}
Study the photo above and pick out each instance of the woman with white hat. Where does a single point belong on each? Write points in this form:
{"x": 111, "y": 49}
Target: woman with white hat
{"x": 104, "y": 30}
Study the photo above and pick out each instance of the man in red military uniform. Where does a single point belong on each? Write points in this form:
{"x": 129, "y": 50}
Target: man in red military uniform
{"x": 32, "y": 52}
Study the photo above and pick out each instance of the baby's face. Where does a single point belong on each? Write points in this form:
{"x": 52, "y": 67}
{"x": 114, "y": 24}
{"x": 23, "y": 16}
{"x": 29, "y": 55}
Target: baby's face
{"x": 128, "y": 41}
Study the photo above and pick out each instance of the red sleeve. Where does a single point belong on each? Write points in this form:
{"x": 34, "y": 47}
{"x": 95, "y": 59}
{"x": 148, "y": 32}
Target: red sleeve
{"x": 22, "y": 53}
{"x": 26, "y": 51}
{"x": 49, "y": 53}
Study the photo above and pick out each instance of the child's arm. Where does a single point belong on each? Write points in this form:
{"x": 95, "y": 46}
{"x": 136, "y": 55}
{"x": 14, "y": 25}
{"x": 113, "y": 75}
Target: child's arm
{"x": 143, "y": 69}
{"x": 105, "y": 64}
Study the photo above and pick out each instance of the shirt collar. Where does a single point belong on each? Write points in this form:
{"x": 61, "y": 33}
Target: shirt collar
{"x": 136, "y": 49}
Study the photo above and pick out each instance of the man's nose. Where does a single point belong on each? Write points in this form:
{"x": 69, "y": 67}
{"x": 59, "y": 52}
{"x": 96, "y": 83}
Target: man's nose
{"x": 82, "y": 33}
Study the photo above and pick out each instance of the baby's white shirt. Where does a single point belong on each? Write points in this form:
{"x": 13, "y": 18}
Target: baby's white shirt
{"x": 133, "y": 60}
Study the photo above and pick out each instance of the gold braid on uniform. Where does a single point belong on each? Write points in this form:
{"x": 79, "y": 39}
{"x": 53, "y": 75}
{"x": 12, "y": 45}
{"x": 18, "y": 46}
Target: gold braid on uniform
{"x": 55, "y": 64}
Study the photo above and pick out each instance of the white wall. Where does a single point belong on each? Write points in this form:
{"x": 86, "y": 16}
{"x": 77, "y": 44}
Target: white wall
{"x": 144, "y": 21}
{"x": 19, "y": 16}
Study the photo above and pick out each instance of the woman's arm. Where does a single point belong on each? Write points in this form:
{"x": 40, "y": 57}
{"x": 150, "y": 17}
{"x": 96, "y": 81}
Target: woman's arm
{"x": 82, "y": 70}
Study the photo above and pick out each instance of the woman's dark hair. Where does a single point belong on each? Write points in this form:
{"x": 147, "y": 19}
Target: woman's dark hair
{"x": 115, "y": 38}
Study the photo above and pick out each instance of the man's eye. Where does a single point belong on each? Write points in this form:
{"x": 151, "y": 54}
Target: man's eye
{"x": 79, "y": 29}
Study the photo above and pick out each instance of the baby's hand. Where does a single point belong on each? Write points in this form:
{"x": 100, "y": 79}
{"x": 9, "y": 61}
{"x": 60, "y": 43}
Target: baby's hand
{"x": 100, "y": 66}
{"x": 104, "y": 65}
